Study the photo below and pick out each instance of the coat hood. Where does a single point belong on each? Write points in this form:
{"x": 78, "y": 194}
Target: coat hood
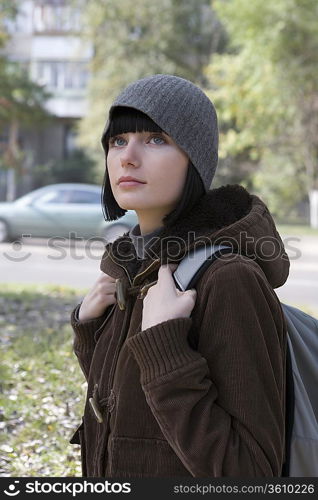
{"x": 228, "y": 215}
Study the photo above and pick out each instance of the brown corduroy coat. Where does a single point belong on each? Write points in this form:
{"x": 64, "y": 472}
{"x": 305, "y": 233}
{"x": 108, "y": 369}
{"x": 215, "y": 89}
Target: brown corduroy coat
{"x": 202, "y": 396}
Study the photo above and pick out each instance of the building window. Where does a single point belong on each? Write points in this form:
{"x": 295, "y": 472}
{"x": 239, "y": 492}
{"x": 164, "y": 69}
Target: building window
{"x": 55, "y": 17}
{"x": 70, "y": 137}
{"x": 4, "y": 139}
{"x": 62, "y": 74}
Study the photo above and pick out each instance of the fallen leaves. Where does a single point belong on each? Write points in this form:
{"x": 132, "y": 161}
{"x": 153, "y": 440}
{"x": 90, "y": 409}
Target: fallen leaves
{"x": 40, "y": 405}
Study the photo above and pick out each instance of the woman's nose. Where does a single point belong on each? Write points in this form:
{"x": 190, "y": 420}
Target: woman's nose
{"x": 130, "y": 155}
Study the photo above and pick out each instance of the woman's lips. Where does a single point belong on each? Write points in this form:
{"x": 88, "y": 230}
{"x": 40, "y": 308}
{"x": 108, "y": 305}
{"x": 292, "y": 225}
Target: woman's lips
{"x": 131, "y": 183}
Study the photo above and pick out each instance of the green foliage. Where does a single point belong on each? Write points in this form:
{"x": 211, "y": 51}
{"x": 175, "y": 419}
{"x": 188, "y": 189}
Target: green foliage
{"x": 42, "y": 390}
{"x": 21, "y": 99}
{"x": 78, "y": 167}
{"x": 282, "y": 31}
{"x": 8, "y": 10}
{"x": 265, "y": 90}
{"x": 273, "y": 180}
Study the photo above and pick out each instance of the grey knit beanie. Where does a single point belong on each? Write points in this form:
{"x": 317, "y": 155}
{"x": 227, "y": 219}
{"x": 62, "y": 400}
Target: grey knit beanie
{"x": 183, "y": 111}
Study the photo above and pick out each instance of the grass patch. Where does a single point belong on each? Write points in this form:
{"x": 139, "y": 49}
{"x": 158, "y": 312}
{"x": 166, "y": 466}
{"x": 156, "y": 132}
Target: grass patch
{"x": 312, "y": 311}
{"x": 295, "y": 230}
{"x": 42, "y": 391}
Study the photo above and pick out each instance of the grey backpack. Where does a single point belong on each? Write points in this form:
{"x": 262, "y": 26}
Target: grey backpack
{"x": 301, "y": 369}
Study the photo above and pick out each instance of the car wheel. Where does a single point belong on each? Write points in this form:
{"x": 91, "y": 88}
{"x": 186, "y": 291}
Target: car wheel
{"x": 114, "y": 231}
{"x": 4, "y": 231}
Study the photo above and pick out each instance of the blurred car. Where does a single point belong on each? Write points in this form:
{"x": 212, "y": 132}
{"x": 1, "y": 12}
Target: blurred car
{"x": 65, "y": 210}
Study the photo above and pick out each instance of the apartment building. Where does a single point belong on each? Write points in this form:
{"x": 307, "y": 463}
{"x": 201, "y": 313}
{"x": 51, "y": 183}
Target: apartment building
{"x": 45, "y": 37}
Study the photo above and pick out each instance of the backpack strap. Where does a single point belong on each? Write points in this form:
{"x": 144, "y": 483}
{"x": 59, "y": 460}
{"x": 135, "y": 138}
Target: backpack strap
{"x": 195, "y": 263}
{"x": 289, "y": 415}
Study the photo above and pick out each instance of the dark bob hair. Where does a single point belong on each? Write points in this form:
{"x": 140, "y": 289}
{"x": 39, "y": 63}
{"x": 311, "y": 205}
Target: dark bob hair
{"x": 124, "y": 120}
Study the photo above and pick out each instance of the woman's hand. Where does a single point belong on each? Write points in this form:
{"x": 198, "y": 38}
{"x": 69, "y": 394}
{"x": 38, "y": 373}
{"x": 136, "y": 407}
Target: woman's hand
{"x": 101, "y": 295}
{"x": 164, "y": 301}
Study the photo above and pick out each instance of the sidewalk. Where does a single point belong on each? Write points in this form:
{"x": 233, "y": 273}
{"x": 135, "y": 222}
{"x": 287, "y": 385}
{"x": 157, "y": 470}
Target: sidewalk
{"x": 301, "y": 288}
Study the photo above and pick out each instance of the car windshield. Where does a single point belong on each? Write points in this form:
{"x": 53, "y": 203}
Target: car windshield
{"x": 28, "y": 198}
{"x": 61, "y": 195}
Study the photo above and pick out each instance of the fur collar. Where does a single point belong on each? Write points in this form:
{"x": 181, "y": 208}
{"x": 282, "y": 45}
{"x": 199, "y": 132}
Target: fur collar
{"x": 229, "y": 213}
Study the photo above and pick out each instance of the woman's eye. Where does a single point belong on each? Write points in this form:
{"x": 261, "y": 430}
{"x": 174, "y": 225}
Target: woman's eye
{"x": 157, "y": 139}
{"x": 116, "y": 141}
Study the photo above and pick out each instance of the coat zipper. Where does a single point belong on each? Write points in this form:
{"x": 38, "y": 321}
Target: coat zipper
{"x": 154, "y": 264}
{"x": 123, "y": 267}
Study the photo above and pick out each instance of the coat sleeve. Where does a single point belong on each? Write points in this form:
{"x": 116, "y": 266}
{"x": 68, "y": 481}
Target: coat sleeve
{"x": 221, "y": 407}
{"x": 85, "y": 336}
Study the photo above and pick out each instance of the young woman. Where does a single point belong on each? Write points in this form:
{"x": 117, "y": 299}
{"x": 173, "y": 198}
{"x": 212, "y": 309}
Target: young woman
{"x": 180, "y": 383}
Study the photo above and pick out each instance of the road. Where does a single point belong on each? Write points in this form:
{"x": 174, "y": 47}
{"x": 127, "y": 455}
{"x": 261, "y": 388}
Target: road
{"x": 39, "y": 261}
{"x": 301, "y": 288}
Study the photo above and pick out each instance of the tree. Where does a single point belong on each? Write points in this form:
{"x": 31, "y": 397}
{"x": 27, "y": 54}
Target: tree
{"x": 77, "y": 167}
{"x": 267, "y": 93}
{"x": 8, "y": 10}
{"x": 132, "y": 40}
{"x": 21, "y": 102}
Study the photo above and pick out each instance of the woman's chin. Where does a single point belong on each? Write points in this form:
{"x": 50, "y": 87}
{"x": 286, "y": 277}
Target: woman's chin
{"x": 132, "y": 205}
{"x": 127, "y": 206}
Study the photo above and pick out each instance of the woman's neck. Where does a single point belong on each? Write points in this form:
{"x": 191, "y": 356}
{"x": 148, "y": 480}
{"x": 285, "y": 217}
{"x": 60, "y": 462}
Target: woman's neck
{"x": 149, "y": 224}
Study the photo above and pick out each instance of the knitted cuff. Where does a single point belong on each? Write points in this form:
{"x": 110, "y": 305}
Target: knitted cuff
{"x": 85, "y": 329}
{"x": 162, "y": 348}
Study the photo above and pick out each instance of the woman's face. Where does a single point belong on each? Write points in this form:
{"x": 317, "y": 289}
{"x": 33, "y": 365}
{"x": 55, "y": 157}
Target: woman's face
{"x": 158, "y": 163}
